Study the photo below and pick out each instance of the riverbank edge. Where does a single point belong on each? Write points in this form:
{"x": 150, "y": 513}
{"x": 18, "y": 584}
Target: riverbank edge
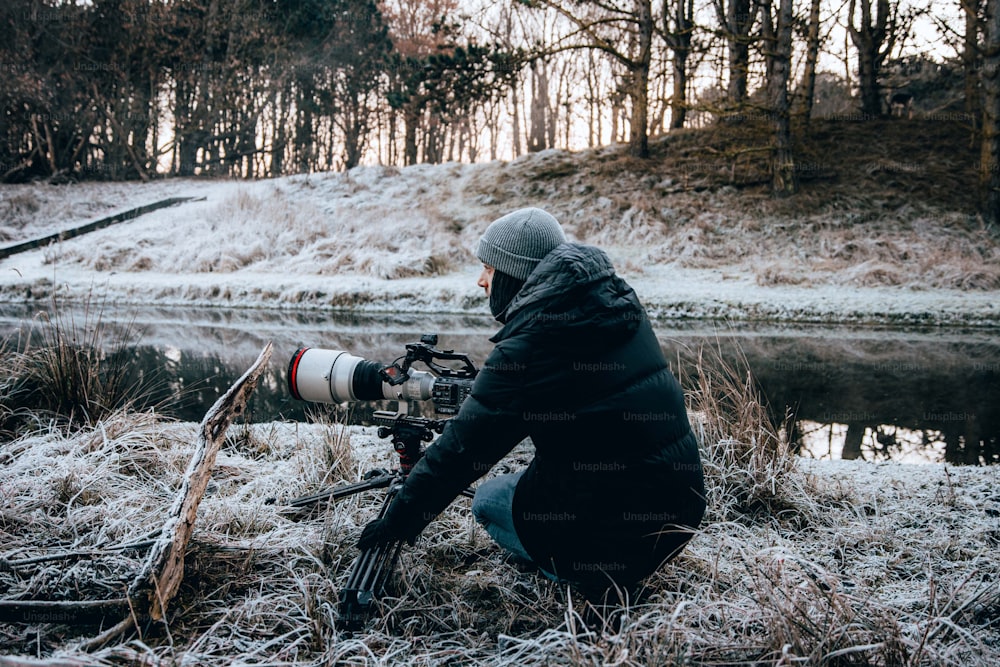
{"x": 669, "y": 295}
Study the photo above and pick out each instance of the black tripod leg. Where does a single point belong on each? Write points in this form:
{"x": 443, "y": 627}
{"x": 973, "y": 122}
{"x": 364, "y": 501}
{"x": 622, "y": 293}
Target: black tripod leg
{"x": 367, "y": 578}
{"x": 365, "y": 584}
{"x": 379, "y": 480}
{"x": 369, "y": 575}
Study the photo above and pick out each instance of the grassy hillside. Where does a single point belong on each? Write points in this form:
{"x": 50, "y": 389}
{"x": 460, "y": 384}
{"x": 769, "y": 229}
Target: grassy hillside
{"x": 887, "y": 202}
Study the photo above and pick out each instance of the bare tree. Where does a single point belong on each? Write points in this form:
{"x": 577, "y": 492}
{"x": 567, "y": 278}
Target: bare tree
{"x": 874, "y": 36}
{"x": 989, "y": 167}
{"x": 736, "y": 21}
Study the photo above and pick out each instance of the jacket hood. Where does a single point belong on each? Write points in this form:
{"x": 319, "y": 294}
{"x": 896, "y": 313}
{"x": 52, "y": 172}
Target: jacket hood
{"x": 574, "y": 290}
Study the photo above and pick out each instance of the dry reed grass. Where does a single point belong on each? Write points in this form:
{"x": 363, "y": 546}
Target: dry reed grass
{"x": 71, "y": 366}
{"x": 749, "y": 466}
{"x": 797, "y": 562}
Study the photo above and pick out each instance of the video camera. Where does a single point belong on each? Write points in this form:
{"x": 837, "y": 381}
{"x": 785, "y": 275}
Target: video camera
{"x": 333, "y": 376}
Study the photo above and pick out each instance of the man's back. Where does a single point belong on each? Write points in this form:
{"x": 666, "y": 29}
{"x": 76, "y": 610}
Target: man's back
{"x": 616, "y": 464}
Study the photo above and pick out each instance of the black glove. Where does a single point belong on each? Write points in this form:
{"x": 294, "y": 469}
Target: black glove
{"x": 380, "y": 532}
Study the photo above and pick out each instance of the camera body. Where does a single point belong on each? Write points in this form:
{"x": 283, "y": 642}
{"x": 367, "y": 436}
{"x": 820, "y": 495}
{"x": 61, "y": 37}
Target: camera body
{"x": 335, "y": 376}
{"x": 448, "y": 394}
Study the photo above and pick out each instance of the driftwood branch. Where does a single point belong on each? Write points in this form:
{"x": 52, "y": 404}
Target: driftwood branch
{"x": 160, "y": 577}
{"x": 158, "y": 581}
{"x": 68, "y": 612}
{"x": 11, "y": 661}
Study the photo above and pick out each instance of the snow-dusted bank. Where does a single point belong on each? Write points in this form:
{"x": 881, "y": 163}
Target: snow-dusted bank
{"x": 381, "y": 239}
{"x": 796, "y": 563}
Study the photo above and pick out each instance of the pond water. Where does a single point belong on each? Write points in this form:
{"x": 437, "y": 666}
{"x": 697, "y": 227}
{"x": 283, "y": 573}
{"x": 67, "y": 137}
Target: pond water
{"x": 853, "y": 393}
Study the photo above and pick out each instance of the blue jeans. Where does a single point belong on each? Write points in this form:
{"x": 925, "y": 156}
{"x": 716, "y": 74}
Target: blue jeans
{"x": 493, "y": 508}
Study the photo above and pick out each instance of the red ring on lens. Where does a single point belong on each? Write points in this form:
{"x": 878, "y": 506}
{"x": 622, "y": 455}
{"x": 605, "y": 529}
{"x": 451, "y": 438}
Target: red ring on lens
{"x": 293, "y": 369}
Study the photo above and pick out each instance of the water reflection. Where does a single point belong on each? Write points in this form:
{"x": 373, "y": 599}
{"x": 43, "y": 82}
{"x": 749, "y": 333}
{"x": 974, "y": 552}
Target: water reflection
{"x": 878, "y": 395}
{"x": 853, "y": 393}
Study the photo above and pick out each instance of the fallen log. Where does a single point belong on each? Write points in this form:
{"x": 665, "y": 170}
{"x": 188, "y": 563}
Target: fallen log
{"x": 161, "y": 575}
{"x": 63, "y": 612}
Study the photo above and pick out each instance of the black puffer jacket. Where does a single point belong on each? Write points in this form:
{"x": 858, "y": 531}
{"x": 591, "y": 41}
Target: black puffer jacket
{"x": 616, "y": 483}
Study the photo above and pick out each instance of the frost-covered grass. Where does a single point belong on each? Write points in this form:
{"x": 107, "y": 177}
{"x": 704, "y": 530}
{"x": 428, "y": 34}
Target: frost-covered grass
{"x": 797, "y": 562}
{"x": 282, "y": 229}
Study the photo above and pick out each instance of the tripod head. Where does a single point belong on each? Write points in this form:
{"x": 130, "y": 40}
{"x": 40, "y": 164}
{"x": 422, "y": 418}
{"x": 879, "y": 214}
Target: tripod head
{"x": 450, "y": 388}
{"x": 407, "y": 434}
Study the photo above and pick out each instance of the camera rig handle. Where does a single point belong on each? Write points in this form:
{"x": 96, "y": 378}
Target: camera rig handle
{"x": 426, "y": 352}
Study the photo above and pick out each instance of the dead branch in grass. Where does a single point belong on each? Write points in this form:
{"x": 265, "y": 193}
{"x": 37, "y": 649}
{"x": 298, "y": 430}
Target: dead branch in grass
{"x": 161, "y": 576}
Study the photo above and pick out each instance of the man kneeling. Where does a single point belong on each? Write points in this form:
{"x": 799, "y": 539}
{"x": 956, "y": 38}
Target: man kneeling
{"x": 615, "y": 487}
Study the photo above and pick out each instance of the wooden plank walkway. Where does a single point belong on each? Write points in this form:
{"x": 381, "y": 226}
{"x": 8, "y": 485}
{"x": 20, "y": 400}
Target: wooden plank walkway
{"x": 123, "y": 216}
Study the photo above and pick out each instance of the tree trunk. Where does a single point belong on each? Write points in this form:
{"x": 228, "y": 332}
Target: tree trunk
{"x": 779, "y": 44}
{"x": 739, "y": 60}
{"x": 852, "y": 442}
{"x": 989, "y": 167}
{"x": 515, "y": 122}
{"x": 188, "y": 133}
{"x": 808, "y": 87}
{"x": 553, "y": 125}
{"x": 539, "y": 107}
{"x": 737, "y": 19}
{"x": 678, "y": 101}
{"x": 304, "y": 131}
{"x": 678, "y": 37}
{"x": 433, "y": 139}
{"x": 280, "y": 138}
{"x": 593, "y": 106}
{"x": 638, "y": 143}
{"x": 871, "y": 97}
{"x": 970, "y": 54}
{"x": 869, "y": 37}
{"x": 638, "y": 139}
{"x": 617, "y": 116}
{"x": 353, "y": 139}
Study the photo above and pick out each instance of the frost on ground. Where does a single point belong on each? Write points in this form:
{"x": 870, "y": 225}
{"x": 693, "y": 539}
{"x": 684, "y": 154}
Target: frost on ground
{"x": 812, "y": 563}
{"x": 692, "y": 229}
{"x": 798, "y": 562}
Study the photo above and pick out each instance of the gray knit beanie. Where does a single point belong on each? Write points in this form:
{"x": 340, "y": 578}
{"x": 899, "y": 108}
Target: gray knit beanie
{"x": 517, "y": 242}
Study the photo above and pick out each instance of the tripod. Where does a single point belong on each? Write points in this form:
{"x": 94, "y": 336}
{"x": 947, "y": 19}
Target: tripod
{"x": 372, "y": 568}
